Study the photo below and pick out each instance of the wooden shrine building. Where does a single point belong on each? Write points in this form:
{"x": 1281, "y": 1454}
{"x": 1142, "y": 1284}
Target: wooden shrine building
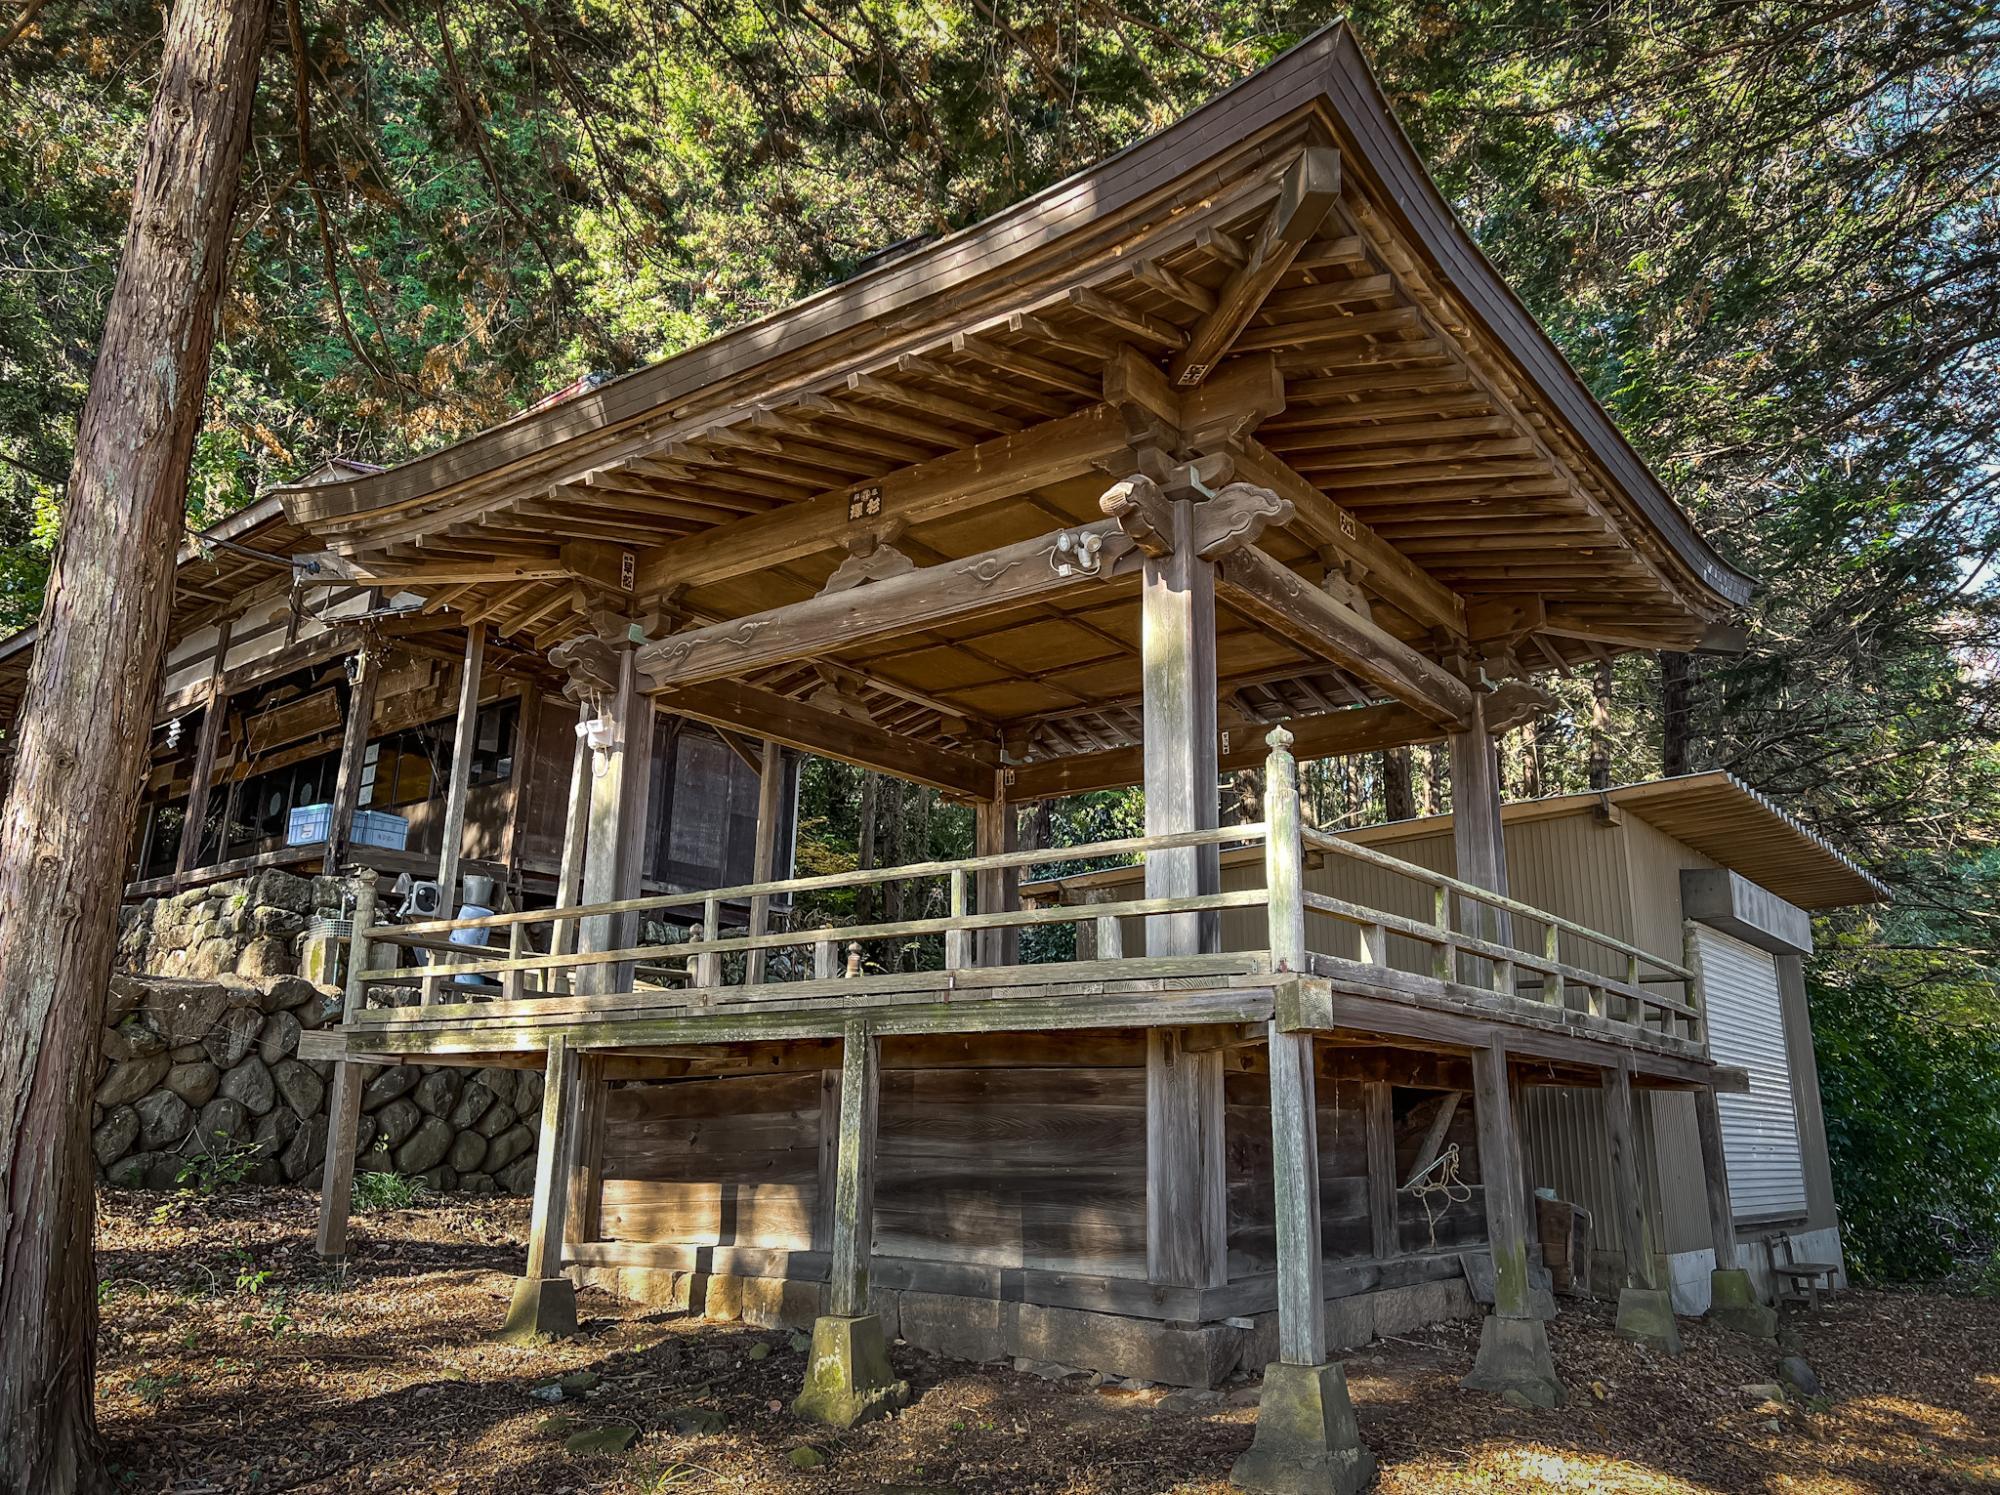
{"x": 1228, "y": 450}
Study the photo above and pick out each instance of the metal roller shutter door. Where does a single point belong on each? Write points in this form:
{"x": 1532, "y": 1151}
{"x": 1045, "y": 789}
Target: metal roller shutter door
{"x": 1746, "y": 1027}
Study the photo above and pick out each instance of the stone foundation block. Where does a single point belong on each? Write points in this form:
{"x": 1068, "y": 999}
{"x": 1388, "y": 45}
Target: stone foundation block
{"x": 1646, "y": 1314}
{"x": 1514, "y": 1356}
{"x": 1734, "y": 1304}
{"x": 543, "y": 1308}
{"x": 958, "y": 1328}
{"x": 848, "y": 1379}
{"x": 1307, "y": 1441}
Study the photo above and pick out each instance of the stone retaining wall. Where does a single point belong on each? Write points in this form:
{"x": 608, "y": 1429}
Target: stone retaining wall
{"x": 201, "y": 1069}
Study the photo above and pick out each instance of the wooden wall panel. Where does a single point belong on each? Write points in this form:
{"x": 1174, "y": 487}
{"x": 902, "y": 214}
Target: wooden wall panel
{"x": 1014, "y": 1167}
{"x": 725, "y": 1162}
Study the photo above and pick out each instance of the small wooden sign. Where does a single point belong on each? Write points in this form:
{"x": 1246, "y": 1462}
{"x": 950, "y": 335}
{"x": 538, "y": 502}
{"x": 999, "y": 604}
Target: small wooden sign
{"x": 628, "y": 571}
{"x": 864, "y": 503}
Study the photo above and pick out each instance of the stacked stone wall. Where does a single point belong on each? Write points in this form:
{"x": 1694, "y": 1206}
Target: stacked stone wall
{"x": 201, "y": 1075}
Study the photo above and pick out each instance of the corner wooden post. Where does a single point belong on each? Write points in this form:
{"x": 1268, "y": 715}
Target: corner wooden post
{"x": 576, "y": 832}
{"x": 1715, "y": 1177}
{"x": 367, "y": 672}
{"x": 994, "y": 832}
{"x": 854, "y": 1170}
{"x": 1514, "y": 1341}
{"x": 583, "y": 1216}
{"x": 770, "y": 817}
{"x": 1478, "y": 840}
{"x": 1177, "y": 646}
{"x": 1186, "y": 1183}
{"x": 1284, "y": 855}
{"x": 336, "y": 1181}
{"x": 848, "y": 1378}
{"x": 606, "y": 817}
{"x": 206, "y": 747}
{"x": 1645, "y": 1310}
{"x": 1500, "y": 1169}
{"x": 1380, "y": 1122}
{"x": 465, "y": 739}
{"x": 544, "y": 1300}
{"x": 1295, "y": 1168}
{"x": 1622, "y": 1145}
{"x": 1733, "y": 1301}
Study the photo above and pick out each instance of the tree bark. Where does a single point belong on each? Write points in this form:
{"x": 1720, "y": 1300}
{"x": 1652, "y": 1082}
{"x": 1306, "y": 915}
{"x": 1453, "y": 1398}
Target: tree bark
{"x": 85, "y": 721}
{"x": 1676, "y": 712}
{"x": 1600, "y": 726}
{"x": 1399, "y": 801}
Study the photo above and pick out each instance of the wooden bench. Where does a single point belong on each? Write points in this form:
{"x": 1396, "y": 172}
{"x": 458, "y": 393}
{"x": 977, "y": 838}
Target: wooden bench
{"x": 1798, "y": 1281}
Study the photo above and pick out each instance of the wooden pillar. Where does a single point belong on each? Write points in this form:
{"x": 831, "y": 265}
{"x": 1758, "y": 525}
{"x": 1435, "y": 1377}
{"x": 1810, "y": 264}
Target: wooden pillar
{"x": 192, "y": 823}
{"x": 995, "y": 831}
{"x": 603, "y": 839}
{"x": 1378, "y": 1101}
{"x": 1715, "y": 1176}
{"x": 526, "y": 778}
{"x": 1622, "y": 1144}
{"x": 634, "y": 820}
{"x": 464, "y": 739}
{"x": 1478, "y": 842}
{"x": 336, "y": 1185}
{"x": 1186, "y": 1184}
{"x": 552, "y": 1158}
{"x": 1295, "y": 1172}
{"x": 1177, "y": 607}
{"x": 1500, "y": 1171}
{"x": 770, "y": 821}
{"x": 854, "y": 1171}
{"x": 576, "y": 831}
{"x": 364, "y": 672}
{"x": 584, "y": 1212}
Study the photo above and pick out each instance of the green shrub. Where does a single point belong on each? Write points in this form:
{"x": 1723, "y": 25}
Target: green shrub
{"x": 380, "y": 1191}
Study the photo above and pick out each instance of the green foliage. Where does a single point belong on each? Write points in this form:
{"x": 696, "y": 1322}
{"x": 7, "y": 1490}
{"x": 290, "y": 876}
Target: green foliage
{"x": 223, "y": 1164}
{"x": 388, "y": 1191}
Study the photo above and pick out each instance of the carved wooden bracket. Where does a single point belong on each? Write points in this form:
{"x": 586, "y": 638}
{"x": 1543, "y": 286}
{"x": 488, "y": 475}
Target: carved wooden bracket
{"x": 591, "y": 662}
{"x": 1237, "y": 516}
{"x": 1515, "y": 704}
{"x": 1225, "y": 519}
{"x": 870, "y": 557}
{"x": 1142, "y": 512}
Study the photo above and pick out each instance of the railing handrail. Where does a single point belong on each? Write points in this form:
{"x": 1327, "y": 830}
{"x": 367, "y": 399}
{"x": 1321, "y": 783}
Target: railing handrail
{"x": 909, "y": 871}
{"x": 1322, "y": 841}
{"x": 942, "y": 924}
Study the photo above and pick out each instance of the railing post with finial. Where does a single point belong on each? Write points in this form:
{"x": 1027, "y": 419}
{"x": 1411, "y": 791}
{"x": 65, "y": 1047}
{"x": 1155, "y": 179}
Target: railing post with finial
{"x": 1284, "y": 854}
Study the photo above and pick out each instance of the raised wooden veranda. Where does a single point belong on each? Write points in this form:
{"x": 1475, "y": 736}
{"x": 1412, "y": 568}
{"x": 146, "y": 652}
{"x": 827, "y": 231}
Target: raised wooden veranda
{"x": 1235, "y": 431}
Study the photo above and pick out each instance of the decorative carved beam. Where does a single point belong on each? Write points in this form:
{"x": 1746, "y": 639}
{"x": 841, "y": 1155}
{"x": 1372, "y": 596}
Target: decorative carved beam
{"x": 1390, "y": 574}
{"x": 994, "y": 581}
{"x": 1307, "y": 194}
{"x": 1278, "y": 596}
{"x": 976, "y": 475}
{"x": 796, "y": 724}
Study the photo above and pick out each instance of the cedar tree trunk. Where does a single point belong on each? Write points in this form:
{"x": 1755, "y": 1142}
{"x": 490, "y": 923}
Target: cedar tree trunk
{"x": 84, "y": 726}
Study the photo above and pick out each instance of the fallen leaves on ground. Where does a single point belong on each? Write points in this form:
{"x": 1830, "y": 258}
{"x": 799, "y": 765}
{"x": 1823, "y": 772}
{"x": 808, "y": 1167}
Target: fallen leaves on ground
{"x": 232, "y": 1360}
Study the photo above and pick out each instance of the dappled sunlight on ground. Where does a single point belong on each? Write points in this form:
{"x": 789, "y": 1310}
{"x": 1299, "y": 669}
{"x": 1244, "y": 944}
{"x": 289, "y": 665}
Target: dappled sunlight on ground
{"x": 231, "y": 1360}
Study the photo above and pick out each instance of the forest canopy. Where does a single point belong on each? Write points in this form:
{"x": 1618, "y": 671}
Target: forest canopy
{"x": 1765, "y": 234}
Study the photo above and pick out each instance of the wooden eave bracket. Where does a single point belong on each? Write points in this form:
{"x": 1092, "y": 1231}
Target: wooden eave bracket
{"x": 1306, "y": 195}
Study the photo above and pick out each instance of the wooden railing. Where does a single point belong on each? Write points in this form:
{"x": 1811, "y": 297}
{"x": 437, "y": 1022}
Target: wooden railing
{"x": 1473, "y": 939}
{"x": 701, "y": 966}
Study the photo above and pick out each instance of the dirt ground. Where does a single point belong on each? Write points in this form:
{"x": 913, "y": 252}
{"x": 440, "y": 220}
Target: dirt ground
{"x": 231, "y": 1360}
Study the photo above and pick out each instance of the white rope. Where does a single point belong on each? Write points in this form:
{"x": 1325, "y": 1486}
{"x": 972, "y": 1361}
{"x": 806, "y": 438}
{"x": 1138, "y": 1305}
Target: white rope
{"x": 1438, "y": 1181}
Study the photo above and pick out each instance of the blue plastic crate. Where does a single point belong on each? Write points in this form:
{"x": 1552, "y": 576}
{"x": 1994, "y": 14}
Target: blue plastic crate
{"x": 309, "y": 824}
{"x": 380, "y": 828}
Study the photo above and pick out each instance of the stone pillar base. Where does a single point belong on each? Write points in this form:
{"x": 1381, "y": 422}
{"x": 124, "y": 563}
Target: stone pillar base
{"x": 848, "y": 1379}
{"x": 1646, "y": 1314}
{"x": 1514, "y": 1356}
{"x": 1733, "y": 1303}
{"x": 1307, "y": 1442}
{"x": 543, "y": 1308}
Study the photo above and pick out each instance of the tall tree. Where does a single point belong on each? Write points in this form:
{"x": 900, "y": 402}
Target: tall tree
{"x": 85, "y": 721}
